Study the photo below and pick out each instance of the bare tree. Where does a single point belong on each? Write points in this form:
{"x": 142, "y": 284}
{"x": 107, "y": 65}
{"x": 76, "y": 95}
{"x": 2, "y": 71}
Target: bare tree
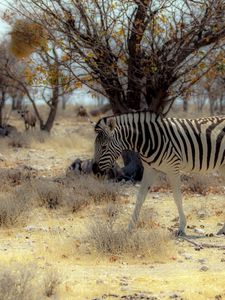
{"x": 210, "y": 89}
{"x": 9, "y": 88}
{"x": 44, "y": 79}
{"x": 139, "y": 52}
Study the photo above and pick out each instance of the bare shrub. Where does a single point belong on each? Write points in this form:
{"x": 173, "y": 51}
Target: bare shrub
{"x": 16, "y": 283}
{"x": 50, "y": 283}
{"x": 12, "y": 206}
{"x": 148, "y": 219}
{"x": 16, "y": 176}
{"x": 49, "y": 193}
{"x": 21, "y": 282}
{"x": 107, "y": 237}
{"x": 197, "y": 184}
{"x": 84, "y": 190}
{"x": 75, "y": 201}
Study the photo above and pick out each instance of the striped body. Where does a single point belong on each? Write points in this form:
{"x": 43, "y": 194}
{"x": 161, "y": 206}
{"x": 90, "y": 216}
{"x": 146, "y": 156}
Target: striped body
{"x": 169, "y": 145}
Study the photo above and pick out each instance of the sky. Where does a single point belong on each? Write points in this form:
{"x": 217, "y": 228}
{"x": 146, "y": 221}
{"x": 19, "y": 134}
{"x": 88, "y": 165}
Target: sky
{"x": 80, "y": 96}
{"x": 4, "y": 27}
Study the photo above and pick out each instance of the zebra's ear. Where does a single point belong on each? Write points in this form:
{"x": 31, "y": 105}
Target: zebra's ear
{"x": 111, "y": 123}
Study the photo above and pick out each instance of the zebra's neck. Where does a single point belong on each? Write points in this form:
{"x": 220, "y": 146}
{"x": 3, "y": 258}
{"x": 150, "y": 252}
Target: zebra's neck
{"x": 137, "y": 131}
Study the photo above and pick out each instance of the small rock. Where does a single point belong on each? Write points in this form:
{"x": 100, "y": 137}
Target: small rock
{"x": 19, "y": 235}
{"x": 199, "y": 231}
{"x": 187, "y": 256}
{"x": 204, "y": 268}
{"x": 201, "y": 214}
{"x": 210, "y": 234}
{"x": 173, "y": 296}
{"x": 222, "y": 259}
{"x": 198, "y": 248}
{"x": 99, "y": 282}
{"x": 191, "y": 226}
{"x": 201, "y": 260}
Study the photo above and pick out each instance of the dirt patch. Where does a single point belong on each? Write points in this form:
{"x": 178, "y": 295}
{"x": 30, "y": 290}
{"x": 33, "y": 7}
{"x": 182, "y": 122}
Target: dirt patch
{"x": 52, "y": 237}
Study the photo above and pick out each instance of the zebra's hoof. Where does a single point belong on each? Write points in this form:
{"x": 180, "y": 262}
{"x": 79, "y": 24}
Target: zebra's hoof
{"x": 180, "y": 233}
{"x": 221, "y": 232}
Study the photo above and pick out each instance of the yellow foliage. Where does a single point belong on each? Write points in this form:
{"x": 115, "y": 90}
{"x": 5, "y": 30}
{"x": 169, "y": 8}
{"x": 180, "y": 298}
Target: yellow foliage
{"x": 53, "y": 75}
{"x": 90, "y": 54}
{"x": 28, "y": 75}
{"x": 202, "y": 65}
{"x": 78, "y": 84}
{"x": 121, "y": 31}
{"x": 65, "y": 57}
{"x": 163, "y": 19}
{"x": 26, "y": 37}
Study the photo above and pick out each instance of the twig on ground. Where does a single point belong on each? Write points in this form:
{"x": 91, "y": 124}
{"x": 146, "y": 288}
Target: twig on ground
{"x": 203, "y": 245}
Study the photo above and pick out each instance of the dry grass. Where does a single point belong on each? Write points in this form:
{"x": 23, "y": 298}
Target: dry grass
{"x": 16, "y": 176}
{"x": 19, "y": 140}
{"x": 20, "y": 282}
{"x": 84, "y": 190}
{"x": 48, "y": 193}
{"x": 51, "y": 283}
{"x": 192, "y": 184}
{"x": 202, "y": 185}
{"x": 68, "y": 141}
{"x": 13, "y": 205}
{"x": 108, "y": 236}
{"x": 17, "y": 283}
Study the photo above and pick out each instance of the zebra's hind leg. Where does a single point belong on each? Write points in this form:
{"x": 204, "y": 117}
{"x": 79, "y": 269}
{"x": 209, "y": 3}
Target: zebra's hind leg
{"x": 222, "y": 173}
{"x": 147, "y": 180}
{"x": 222, "y": 230}
{"x": 176, "y": 185}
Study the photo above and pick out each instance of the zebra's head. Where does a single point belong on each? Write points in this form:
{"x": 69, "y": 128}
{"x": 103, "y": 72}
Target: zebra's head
{"x": 107, "y": 145}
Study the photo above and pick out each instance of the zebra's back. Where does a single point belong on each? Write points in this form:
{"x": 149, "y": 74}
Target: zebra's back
{"x": 200, "y": 143}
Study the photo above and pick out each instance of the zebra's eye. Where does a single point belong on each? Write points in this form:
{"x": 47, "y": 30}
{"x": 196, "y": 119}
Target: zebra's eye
{"x": 104, "y": 147}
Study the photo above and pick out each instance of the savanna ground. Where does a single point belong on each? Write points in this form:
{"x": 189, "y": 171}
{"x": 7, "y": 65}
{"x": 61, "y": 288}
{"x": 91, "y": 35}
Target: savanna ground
{"x": 64, "y": 237}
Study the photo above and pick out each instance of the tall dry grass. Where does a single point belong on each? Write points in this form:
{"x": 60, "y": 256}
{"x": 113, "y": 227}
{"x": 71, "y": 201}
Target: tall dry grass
{"x": 108, "y": 235}
{"x": 24, "y": 282}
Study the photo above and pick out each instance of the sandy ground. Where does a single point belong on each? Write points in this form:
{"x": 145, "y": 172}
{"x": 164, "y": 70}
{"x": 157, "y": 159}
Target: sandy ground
{"x": 53, "y": 240}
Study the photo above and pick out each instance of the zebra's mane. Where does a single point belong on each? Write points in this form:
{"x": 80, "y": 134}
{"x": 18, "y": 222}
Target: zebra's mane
{"x": 97, "y": 126}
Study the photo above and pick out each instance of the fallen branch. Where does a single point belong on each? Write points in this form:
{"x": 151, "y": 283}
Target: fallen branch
{"x": 203, "y": 245}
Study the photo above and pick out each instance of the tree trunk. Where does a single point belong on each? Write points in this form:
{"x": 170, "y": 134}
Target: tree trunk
{"x": 63, "y": 104}
{"x": 17, "y": 104}
{"x": 185, "y": 105}
{"x": 2, "y": 103}
{"x": 211, "y": 105}
{"x": 52, "y": 114}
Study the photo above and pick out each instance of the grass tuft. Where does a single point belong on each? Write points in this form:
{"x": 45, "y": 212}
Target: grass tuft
{"x": 23, "y": 282}
{"x": 13, "y": 205}
{"x": 108, "y": 236}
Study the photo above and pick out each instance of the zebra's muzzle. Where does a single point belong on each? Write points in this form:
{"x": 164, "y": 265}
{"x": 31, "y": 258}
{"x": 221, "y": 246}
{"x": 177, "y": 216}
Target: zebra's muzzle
{"x": 96, "y": 170}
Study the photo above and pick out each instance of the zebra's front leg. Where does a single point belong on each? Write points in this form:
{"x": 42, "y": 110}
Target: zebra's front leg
{"x": 176, "y": 188}
{"x": 147, "y": 180}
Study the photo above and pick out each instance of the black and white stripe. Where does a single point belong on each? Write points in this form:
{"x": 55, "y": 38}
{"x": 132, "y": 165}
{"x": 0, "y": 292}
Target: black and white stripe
{"x": 169, "y": 145}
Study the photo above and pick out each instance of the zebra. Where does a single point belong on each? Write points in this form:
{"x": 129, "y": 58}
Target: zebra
{"x": 168, "y": 145}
